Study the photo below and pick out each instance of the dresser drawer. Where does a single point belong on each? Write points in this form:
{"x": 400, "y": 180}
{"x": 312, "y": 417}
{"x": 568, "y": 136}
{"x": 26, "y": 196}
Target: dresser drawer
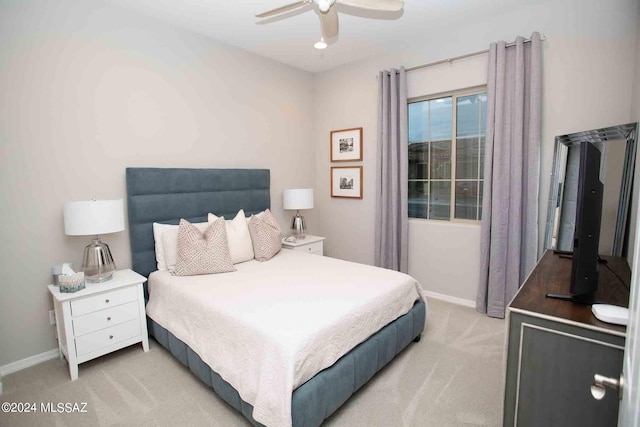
{"x": 105, "y": 318}
{"x": 104, "y": 300}
{"x": 312, "y": 248}
{"x": 106, "y": 337}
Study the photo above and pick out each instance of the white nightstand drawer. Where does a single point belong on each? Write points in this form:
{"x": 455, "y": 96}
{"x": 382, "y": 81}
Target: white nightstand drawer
{"x": 105, "y": 318}
{"x": 312, "y": 248}
{"x": 310, "y": 245}
{"x": 106, "y": 337}
{"x": 103, "y": 300}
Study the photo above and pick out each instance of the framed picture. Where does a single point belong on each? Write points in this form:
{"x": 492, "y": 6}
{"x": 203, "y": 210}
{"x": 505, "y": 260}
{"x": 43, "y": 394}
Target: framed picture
{"x": 346, "y": 181}
{"x": 346, "y": 145}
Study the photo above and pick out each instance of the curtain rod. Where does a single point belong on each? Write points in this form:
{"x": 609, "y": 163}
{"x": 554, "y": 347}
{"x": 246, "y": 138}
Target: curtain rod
{"x": 468, "y": 55}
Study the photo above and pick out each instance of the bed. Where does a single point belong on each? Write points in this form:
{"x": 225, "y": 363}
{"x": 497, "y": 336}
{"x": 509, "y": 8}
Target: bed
{"x": 166, "y": 195}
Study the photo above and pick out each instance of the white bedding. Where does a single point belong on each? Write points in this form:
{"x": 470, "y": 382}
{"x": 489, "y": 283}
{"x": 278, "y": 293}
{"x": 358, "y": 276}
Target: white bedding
{"x": 269, "y": 327}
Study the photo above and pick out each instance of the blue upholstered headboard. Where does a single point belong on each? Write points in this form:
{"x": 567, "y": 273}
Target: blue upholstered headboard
{"x": 166, "y": 195}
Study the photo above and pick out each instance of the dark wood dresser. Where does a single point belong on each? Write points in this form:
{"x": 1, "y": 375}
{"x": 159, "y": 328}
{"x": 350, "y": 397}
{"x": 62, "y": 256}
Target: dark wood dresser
{"x": 555, "y": 347}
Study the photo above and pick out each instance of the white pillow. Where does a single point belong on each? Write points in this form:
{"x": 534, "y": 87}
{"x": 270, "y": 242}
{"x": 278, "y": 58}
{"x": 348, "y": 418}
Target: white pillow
{"x": 158, "y": 231}
{"x": 240, "y": 244}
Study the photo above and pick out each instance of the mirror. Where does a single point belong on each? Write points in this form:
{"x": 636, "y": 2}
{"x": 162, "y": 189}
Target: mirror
{"x": 618, "y": 148}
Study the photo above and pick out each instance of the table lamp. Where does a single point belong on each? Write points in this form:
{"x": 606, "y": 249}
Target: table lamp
{"x": 92, "y": 218}
{"x": 296, "y": 199}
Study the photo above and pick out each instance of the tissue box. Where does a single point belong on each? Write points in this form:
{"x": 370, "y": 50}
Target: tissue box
{"x": 71, "y": 283}
{"x": 56, "y": 271}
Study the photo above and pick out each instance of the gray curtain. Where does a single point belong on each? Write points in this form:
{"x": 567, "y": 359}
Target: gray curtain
{"x": 392, "y": 223}
{"x": 509, "y": 236}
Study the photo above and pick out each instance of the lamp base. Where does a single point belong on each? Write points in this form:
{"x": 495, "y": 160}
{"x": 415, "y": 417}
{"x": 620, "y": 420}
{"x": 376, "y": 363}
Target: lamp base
{"x": 98, "y": 264}
{"x": 298, "y": 226}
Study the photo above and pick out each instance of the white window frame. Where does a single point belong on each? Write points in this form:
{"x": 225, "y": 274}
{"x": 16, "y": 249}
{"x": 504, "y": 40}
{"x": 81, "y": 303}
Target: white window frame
{"x": 455, "y": 94}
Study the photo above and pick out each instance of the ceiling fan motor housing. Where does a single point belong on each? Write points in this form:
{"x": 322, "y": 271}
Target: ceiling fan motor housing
{"x": 324, "y": 5}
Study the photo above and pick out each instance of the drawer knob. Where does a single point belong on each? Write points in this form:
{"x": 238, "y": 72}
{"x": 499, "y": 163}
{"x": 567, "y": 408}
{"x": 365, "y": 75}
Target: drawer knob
{"x": 601, "y": 383}
{"x": 110, "y": 337}
{"x": 107, "y": 301}
{"x": 108, "y": 318}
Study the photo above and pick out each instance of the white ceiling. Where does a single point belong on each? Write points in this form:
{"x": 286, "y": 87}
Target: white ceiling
{"x": 290, "y": 40}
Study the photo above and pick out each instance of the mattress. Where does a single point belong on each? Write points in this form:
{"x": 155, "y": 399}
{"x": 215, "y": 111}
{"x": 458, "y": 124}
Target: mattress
{"x": 269, "y": 327}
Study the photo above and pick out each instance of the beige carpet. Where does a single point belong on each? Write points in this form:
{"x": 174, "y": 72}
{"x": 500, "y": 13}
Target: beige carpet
{"x": 453, "y": 377}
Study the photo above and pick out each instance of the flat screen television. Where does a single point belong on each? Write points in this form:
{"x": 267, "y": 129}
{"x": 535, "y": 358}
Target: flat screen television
{"x": 586, "y": 237}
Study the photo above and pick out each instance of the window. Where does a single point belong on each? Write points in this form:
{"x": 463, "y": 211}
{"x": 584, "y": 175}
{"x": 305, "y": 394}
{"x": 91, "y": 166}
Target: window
{"x": 446, "y": 172}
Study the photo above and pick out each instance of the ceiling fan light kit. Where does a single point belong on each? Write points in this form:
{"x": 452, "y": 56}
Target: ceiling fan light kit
{"x": 328, "y": 13}
{"x": 325, "y": 5}
{"x": 321, "y": 44}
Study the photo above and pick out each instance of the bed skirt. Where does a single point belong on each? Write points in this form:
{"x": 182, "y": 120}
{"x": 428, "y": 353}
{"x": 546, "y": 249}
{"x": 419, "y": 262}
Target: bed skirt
{"x": 322, "y": 395}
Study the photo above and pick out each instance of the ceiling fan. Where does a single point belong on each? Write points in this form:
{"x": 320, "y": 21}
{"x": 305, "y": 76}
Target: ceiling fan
{"x": 329, "y": 14}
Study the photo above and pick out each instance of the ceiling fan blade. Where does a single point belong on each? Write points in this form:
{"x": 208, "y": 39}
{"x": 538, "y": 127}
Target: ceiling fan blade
{"x": 329, "y": 22}
{"x": 384, "y": 5}
{"x": 283, "y": 9}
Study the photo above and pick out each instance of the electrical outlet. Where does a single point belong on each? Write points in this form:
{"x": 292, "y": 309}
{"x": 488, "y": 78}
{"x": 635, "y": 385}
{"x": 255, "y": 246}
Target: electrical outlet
{"x": 52, "y": 317}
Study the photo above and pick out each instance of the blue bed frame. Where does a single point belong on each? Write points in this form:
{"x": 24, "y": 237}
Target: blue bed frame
{"x": 166, "y": 195}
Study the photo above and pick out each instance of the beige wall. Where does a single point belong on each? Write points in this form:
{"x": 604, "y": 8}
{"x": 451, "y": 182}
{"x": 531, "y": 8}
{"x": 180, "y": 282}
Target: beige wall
{"x": 635, "y": 93}
{"x": 88, "y": 90}
{"x": 587, "y": 75}
{"x": 635, "y": 104}
{"x": 635, "y": 117}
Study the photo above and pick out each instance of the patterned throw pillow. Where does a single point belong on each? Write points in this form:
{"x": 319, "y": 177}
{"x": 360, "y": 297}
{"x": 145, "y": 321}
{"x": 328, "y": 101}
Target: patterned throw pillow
{"x": 265, "y": 235}
{"x": 162, "y": 241}
{"x": 170, "y": 244}
{"x": 200, "y": 253}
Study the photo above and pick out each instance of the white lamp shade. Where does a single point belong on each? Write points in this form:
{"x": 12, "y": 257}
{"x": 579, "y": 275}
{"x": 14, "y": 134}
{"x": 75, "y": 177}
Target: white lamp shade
{"x": 297, "y": 198}
{"x": 93, "y": 217}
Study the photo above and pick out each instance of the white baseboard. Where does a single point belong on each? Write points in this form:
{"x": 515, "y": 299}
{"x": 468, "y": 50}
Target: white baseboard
{"x": 28, "y": 362}
{"x": 449, "y": 298}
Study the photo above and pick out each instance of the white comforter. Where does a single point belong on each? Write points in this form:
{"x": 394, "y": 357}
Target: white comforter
{"x": 269, "y": 327}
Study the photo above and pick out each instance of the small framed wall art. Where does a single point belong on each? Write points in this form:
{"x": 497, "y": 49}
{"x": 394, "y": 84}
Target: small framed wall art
{"x": 346, "y": 181}
{"x": 346, "y": 145}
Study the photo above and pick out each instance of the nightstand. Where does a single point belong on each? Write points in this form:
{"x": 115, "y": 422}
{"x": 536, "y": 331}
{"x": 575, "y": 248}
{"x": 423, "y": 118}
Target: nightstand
{"x": 310, "y": 244}
{"x": 101, "y": 318}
